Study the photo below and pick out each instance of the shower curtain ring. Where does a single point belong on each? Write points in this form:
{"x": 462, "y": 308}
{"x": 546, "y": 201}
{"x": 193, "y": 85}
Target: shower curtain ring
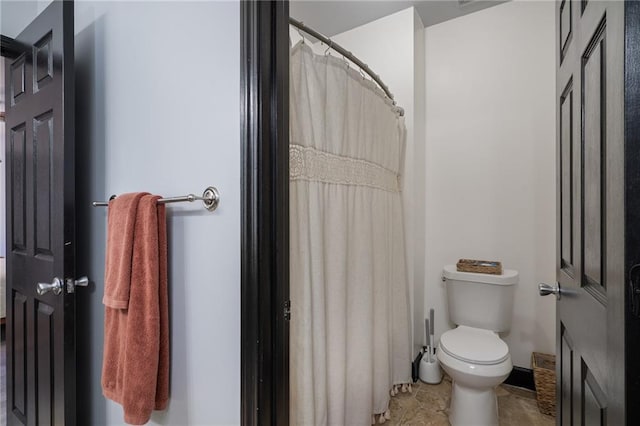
{"x": 301, "y": 35}
{"x": 329, "y": 46}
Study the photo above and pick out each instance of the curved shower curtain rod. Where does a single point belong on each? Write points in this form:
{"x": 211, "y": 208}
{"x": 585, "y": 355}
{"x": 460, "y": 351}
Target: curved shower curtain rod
{"x": 344, "y": 52}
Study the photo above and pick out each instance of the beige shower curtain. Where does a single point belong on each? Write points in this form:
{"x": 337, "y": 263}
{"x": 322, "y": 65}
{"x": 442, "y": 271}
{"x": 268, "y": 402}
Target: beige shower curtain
{"x": 350, "y": 338}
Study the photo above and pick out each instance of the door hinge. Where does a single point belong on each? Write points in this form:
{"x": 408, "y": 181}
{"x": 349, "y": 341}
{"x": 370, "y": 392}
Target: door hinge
{"x": 287, "y": 310}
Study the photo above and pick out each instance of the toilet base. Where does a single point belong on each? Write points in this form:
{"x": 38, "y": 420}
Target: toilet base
{"x": 473, "y": 407}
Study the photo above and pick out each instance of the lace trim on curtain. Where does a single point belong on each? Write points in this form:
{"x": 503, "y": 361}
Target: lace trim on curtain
{"x": 306, "y": 163}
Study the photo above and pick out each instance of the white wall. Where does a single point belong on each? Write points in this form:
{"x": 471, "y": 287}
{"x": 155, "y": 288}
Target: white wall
{"x": 490, "y": 158}
{"x": 157, "y": 98}
{"x": 158, "y": 110}
{"x": 393, "y": 47}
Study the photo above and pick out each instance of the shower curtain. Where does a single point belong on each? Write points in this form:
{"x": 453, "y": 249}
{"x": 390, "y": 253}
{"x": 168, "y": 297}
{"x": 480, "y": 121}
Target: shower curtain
{"x": 350, "y": 337}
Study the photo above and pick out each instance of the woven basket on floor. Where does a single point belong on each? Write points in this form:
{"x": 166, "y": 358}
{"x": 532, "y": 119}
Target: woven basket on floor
{"x": 544, "y": 376}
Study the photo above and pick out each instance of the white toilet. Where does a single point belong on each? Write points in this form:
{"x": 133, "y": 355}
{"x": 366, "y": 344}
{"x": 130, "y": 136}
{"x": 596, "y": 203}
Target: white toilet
{"x": 473, "y": 354}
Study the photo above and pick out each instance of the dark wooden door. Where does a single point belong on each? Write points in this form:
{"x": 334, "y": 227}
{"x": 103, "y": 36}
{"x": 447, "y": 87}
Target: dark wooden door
{"x": 590, "y": 267}
{"x": 40, "y": 222}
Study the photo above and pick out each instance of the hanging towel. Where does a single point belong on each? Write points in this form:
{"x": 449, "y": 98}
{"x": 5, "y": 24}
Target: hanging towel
{"x": 120, "y": 228}
{"x": 135, "y": 371}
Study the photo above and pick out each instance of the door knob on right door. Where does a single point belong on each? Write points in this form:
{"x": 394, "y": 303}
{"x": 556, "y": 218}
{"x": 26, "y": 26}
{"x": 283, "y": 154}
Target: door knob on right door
{"x": 546, "y": 289}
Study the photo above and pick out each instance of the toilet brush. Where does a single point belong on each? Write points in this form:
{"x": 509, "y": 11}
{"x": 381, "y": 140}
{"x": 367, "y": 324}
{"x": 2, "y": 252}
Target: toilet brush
{"x": 429, "y": 370}
{"x": 427, "y": 341}
{"x": 431, "y": 324}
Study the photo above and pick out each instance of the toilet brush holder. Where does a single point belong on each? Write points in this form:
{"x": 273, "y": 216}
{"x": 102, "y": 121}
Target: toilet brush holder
{"x": 430, "y": 372}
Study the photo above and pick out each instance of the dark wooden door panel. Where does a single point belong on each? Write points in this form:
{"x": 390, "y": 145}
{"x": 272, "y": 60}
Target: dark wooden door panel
{"x": 17, "y": 181}
{"x": 44, "y": 325}
{"x": 594, "y": 153}
{"x": 582, "y": 321}
{"x": 40, "y": 211}
{"x": 581, "y": 395}
{"x": 565, "y": 23}
{"x": 566, "y": 180}
{"x": 593, "y": 399}
{"x": 42, "y": 181}
{"x": 17, "y": 360}
{"x": 565, "y": 388}
{"x": 590, "y": 150}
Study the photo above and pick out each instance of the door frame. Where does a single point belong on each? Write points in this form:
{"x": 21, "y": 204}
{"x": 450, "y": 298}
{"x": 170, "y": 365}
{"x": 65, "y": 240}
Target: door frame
{"x": 632, "y": 203}
{"x": 8, "y": 47}
{"x": 264, "y": 118}
{"x": 264, "y": 33}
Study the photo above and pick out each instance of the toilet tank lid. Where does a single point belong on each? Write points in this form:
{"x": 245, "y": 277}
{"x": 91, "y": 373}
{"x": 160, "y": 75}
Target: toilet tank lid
{"x": 508, "y": 276}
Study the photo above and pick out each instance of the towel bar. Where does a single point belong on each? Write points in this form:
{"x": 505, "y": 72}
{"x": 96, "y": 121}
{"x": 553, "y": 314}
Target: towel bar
{"x": 210, "y": 198}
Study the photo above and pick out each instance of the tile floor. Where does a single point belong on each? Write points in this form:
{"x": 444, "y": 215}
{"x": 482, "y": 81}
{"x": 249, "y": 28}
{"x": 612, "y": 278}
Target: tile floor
{"x": 428, "y": 404}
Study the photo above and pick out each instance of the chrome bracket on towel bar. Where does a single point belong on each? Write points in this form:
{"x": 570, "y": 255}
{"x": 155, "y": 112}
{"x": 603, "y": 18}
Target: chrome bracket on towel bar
{"x": 210, "y": 198}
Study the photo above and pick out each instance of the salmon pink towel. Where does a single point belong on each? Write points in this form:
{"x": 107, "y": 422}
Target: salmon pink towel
{"x": 135, "y": 370}
{"x": 117, "y": 274}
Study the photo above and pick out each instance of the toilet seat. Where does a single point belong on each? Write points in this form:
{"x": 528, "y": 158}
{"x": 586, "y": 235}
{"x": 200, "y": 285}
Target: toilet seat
{"x": 474, "y": 345}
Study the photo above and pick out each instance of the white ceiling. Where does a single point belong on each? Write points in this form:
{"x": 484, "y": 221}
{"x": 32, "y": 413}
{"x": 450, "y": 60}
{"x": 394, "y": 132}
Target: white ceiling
{"x": 334, "y": 17}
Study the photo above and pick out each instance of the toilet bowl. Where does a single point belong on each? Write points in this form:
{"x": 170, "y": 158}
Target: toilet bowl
{"x": 477, "y": 361}
{"x": 473, "y": 354}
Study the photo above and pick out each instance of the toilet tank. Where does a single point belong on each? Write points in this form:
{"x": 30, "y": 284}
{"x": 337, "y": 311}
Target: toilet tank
{"x": 480, "y": 300}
